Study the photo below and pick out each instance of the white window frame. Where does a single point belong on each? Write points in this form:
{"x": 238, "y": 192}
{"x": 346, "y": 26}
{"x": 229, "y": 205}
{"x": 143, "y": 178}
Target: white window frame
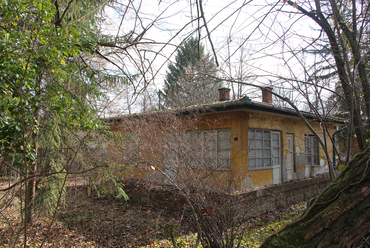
{"x": 264, "y": 149}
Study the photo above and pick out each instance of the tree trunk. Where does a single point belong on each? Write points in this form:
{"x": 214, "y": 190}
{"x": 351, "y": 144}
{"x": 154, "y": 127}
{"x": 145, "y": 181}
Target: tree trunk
{"x": 31, "y": 183}
{"x": 339, "y": 217}
{"x": 339, "y": 56}
{"x": 30, "y": 194}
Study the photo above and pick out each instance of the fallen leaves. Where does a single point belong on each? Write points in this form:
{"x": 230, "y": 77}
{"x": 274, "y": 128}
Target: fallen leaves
{"x": 103, "y": 222}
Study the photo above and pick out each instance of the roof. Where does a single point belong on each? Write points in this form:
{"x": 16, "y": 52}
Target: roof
{"x": 231, "y": 105}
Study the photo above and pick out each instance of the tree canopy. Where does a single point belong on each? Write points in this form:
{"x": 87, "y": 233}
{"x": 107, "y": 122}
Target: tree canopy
{"x": 189, "y": 80}
{"x": 48, "y": 84}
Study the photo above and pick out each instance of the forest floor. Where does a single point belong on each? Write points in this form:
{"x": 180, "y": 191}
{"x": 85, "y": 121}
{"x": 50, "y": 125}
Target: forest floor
{"x": 91, "y": 221}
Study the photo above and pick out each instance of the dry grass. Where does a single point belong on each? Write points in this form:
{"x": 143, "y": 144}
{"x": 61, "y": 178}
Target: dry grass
{"x": 90, "y": 222}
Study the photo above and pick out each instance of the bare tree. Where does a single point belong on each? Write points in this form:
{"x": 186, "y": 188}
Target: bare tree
{"x": 170, "y": 151}
{"x": 340, "y": 29}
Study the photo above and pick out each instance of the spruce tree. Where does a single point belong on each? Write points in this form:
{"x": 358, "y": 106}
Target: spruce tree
{"x": 189, "y": 80}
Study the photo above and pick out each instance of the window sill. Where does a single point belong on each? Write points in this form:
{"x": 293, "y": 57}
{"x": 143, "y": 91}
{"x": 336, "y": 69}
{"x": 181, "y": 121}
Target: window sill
{"x": 210, "y": 169}
{"x": 261, "y": 168}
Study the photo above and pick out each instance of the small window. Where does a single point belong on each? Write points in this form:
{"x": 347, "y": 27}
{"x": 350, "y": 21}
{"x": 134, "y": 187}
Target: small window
{"x": 263, "y": 148}
{"x": 311, "y": 150}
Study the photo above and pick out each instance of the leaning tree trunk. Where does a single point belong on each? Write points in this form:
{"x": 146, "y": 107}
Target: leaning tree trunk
{"x": 339, "y": 217}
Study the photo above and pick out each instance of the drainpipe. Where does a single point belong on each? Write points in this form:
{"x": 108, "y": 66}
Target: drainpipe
{"x": 336, "y": 132}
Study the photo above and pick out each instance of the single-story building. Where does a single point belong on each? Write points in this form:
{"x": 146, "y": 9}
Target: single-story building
{"x": 255, "y": 143}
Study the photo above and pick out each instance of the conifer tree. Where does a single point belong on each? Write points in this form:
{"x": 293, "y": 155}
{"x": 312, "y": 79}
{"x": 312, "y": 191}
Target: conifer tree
{"x": 189, "y": 80}
{"x": 46, "y": 90}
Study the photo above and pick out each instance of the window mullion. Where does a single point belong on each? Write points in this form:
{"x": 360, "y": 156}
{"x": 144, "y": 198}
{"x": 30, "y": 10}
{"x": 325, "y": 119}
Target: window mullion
{"x": 272, "y": 150}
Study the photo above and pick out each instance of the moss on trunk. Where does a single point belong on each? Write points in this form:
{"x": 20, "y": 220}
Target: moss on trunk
{"x": 339, "y": 217}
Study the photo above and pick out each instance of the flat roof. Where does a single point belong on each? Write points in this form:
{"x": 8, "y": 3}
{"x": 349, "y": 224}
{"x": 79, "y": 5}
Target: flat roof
{"x": 232, "y": 105}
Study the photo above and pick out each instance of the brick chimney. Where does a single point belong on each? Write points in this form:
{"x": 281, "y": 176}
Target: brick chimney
{"x": 267, "y": 95}
{"x": 224, "y": 94}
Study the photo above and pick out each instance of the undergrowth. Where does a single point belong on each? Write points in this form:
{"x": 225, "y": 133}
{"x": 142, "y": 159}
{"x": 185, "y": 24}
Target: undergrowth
{"x": 256, "y": 230}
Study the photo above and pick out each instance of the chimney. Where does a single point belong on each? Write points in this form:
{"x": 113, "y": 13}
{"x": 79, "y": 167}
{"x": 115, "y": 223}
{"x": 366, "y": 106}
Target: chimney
{"x": 267, "y": 95}
{"x": 224, "y": 94}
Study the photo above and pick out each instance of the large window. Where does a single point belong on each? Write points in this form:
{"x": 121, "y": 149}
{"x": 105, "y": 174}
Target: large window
{"x": 311, "y": 150}
{"x": 212, "y": 148}
{"x": 263, "y": 148}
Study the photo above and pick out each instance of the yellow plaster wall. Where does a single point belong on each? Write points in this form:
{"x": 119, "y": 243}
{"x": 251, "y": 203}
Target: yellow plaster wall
{"x": 260, "y": 177}
{"x": 234, "y": 121}
{"x": 286, "y": 125}
{"x": 239, "y": 122}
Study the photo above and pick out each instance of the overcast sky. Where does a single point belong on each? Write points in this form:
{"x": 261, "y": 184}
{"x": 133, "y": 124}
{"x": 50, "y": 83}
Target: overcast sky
{"x": 264, "y": 38}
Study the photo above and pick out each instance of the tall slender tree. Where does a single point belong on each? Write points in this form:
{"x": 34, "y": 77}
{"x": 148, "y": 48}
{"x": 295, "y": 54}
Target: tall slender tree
{"x": 46, "y": 85}
{"x": 189, "y": 80}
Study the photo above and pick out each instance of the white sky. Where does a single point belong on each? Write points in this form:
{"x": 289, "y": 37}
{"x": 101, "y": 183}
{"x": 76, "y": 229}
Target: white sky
{"x": 269, "y": 51}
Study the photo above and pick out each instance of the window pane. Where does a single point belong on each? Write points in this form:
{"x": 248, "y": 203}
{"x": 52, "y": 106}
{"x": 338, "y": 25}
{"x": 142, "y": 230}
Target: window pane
{"x": 192, "y": 138}
{"x": 224, "y": 134}
{"x": 267, "y": 153}
{"x": 252, "y": 153}
{"x": 313, "y": 140}
{"x": 275, "y": 161}
{"x": 208, "y": 135}
{"x": 211, "y": 147}
{"x": 308, "y": 160}
{"x": 224, "y": 140}
{"x": 259, "y": 144}
{"x": 267, "y": 161}
{"x": 224, "y": 144}
{"x": 314, "y": 159}
{"x": 314, "y": 150}
{"x": 260, "y": 147}
{"x": 312, "y": 144}
{"x": 311, "y": 150}
{"x": 259, "y": 162}
{"x": 258, "y": 134}
{"x": 259, "y": 153}
{"x": 224, "y": 154}
{"x": 307, "y": 144}
{"x": 212, "y": 144}
{"x": 252, "y": 162}
{"x": 222, "y": 162}
{"x": 266, "y": 135}
{"x": 251, "y": 134}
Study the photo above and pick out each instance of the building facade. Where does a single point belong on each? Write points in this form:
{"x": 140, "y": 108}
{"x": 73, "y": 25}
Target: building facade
{"x": 253, "y": 143}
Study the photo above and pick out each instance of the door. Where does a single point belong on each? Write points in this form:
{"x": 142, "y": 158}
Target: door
{"x": 290, "y": 157}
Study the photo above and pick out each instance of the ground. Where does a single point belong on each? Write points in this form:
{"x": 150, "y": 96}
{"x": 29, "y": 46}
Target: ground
{"x": 113, "y": 223}
{"x": 91, "y": 221}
